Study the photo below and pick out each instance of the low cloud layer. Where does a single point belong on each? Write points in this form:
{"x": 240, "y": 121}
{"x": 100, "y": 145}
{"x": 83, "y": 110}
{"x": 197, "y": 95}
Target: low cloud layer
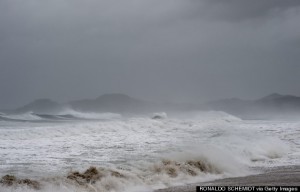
{"x": 191, "y": 51}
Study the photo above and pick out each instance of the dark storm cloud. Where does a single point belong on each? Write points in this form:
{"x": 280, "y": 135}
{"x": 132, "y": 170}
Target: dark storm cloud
{"x": 158, "y": 50}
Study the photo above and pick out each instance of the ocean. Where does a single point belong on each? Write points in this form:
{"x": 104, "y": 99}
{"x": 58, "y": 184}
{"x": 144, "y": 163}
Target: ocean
{"x": 137, "y": 153}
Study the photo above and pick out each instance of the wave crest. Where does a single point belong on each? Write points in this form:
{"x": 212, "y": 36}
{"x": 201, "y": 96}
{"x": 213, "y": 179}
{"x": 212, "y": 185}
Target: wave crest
{"x": 63, "y": 115}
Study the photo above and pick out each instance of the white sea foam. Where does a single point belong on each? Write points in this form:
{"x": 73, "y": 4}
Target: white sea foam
{"x": 161, "y": 115}
{"x": 65, "y": 114}
{"x": 90, "y": 115}
{"x": 24, "y": 116}
{"x": 149, "y": 153}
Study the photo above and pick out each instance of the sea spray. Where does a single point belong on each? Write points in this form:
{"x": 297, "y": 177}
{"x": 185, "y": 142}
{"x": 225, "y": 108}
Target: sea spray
{"x": 142, "y": 153}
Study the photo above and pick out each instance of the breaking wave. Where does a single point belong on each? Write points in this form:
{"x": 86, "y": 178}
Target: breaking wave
{"x": 21, "y": 117}
{"x": 89, "y": 115}
{"x": 136, "y": 154}
{"x": 179, "y": 169}
{"x": 63, "y": 115}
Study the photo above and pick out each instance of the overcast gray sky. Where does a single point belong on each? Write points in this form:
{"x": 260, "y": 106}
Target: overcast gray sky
{"x": 159, "y": 50}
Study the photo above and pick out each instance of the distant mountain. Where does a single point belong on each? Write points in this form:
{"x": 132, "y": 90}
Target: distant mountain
{"x": 116, "y": 103}
{"x": 273, "y": 96}
{"x": 271, "y": 106}
{"x": 41, "y": 106}
{"x": 280, "y": 103}
{"x": 120, "y": 103}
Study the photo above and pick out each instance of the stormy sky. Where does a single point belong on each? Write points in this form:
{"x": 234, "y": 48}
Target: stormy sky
{"x": 159, "y": 50}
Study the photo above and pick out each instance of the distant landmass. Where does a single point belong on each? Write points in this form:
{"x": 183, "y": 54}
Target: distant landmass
{"x": 120, "y": 103}
{"x": 110, "y": 103}
{"x": 271, "y": 106}
{"x": 41, "y": 106}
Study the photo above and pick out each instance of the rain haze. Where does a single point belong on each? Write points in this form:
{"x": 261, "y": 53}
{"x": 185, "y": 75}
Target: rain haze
{"x": 149, "y": 95}
{"x": 181, "y": 51}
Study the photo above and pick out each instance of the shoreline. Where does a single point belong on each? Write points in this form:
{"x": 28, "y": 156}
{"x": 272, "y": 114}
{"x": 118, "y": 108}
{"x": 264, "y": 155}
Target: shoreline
{"x": 279, "y": 176}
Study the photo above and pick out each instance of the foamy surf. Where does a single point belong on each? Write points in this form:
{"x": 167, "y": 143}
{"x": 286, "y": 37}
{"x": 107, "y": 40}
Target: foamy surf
{"x": 24, "y": 116}
{"x": 142, "y": 176}
{"x": 141, "y": 153}
{"x": 66, "y": 114}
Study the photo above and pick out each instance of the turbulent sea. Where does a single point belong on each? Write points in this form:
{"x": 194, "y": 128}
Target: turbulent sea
{"x": 138, "y": 153}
